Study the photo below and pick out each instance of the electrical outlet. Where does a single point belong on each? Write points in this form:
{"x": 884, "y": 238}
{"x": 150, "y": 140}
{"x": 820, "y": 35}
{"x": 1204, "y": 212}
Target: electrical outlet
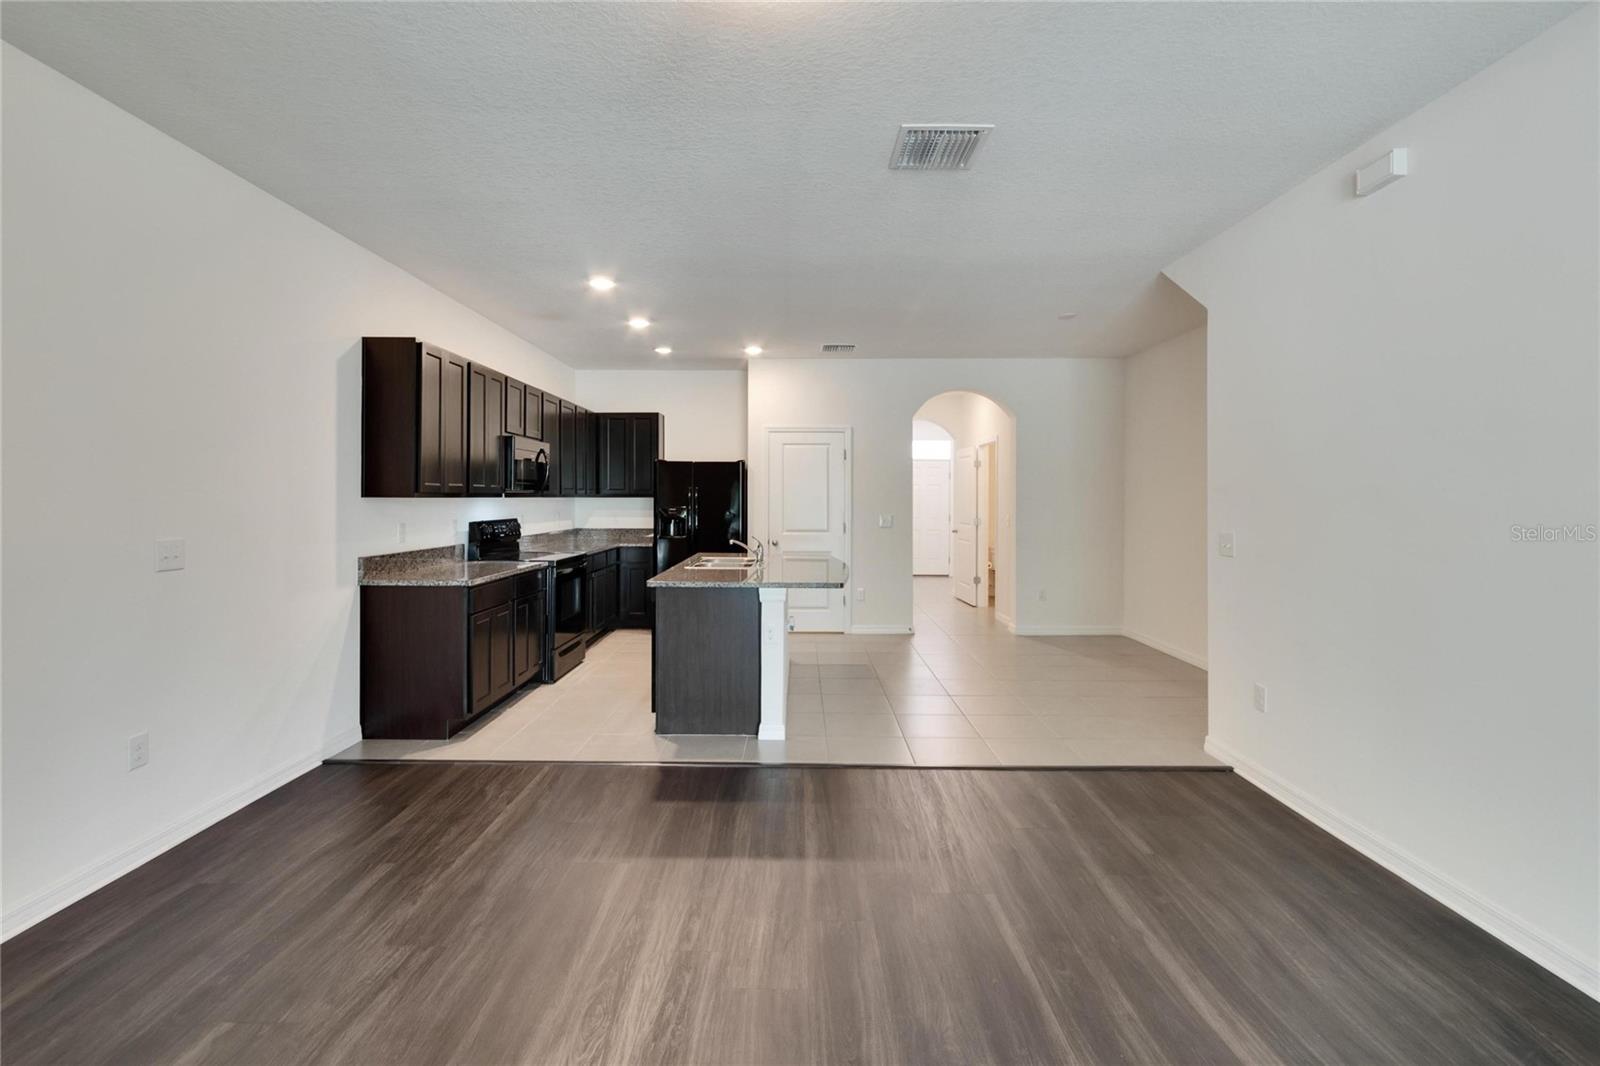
{"x": 400, "y": 535}
{"x": 138, "y": 751}
{"x": 861, "y": 595}
{"x": 171, "y": 555}
{"x": 1225, "y": 545}
{"x": 1261, "y": 698}
{"x": 1041, "y": 595}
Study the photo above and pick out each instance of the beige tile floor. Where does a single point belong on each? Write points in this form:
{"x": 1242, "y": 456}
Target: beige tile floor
{"x": 963, "y": 691}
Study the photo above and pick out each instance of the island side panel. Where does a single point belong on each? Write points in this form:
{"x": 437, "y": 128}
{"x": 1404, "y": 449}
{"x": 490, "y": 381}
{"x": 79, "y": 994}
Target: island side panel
{"x": 413, "y": 661}
{"x": 707, "y": 660}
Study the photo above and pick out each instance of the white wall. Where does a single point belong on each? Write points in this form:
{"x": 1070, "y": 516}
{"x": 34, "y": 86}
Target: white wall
{"x": 705, "y": 419}
{"x": 182, "y": 359}
{"x": 1065, "y": 489}
{"x": 1395, "y": 382}
{"x": 1164, "y": 497}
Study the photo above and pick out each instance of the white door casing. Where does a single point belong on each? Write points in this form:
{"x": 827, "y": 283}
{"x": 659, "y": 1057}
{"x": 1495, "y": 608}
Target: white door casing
{"x": 964, "y": 527}
{"x": 808, "y": 495}
{"x": 985, "y": 470}
{"x": 930, "y": 516}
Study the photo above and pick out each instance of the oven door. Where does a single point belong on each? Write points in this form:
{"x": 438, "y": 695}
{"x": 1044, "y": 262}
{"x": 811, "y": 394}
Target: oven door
{"x": 571, "y": 611}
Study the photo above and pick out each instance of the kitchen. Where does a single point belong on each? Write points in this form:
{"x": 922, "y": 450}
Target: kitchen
{"x": 451, "y": 634}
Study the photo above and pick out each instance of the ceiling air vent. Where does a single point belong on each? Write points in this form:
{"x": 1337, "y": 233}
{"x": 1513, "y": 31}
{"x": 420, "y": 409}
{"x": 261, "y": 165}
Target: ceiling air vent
{"x": 838, "y": 347}
{"x": 937, "y": 147}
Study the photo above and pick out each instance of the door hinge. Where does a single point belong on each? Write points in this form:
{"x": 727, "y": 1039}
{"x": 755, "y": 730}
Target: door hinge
{"x": 846, "y": 454}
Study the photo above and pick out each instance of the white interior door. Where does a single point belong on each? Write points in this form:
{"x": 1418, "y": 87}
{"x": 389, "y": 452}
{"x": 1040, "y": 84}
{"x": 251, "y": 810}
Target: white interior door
{"x": 964, "y": 527}
{"x": 808, "y": 478}
{"x": 930, "y": 516}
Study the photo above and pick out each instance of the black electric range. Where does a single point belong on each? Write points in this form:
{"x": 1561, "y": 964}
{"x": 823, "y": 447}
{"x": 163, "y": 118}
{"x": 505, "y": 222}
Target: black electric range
{"x": 567, "y": 613}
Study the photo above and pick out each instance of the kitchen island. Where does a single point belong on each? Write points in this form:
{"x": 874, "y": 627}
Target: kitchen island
{"x": 720, "y": 657}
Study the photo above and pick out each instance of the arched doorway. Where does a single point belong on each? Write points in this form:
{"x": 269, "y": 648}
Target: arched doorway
{"x": 970, "y": 440}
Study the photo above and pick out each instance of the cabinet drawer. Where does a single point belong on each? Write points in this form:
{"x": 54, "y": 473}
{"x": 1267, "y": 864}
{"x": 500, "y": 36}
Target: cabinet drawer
{"x": 528, "y": 585}
{"x": 482, "y": 597}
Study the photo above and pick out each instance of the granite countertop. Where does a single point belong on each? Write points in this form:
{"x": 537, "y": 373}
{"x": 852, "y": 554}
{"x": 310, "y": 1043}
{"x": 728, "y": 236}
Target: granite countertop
{"x": 819, "y": 572}
{"x": 584, "y": 541}
{"x": 449, "y": 565}
{"x": 439, "y": 566}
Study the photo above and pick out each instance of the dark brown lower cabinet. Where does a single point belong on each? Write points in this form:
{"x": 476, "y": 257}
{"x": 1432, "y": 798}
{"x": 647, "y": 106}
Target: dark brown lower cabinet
{"x": 527, "y": 639}
{"x": 633, "y": 598}
{"x": 489, "y": 648}
{"x": 434, "y": 658}
{"x": 603, "y": 591}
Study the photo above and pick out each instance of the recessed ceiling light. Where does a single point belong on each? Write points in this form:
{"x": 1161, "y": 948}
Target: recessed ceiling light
{"x": 752, "y": 349}
{"x": 639, "y": 322}
{"x": 663, "y": 350}
{"x": 601, "y": 283}
{"x": 1066, "y": 315}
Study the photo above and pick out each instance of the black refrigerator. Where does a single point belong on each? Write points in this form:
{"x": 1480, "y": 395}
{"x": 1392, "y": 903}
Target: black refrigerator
{"x": 700, "y": 507}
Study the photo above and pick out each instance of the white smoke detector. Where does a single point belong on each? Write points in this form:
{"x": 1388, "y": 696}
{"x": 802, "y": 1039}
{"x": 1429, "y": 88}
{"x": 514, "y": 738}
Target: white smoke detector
{"x": 937, "y": 146}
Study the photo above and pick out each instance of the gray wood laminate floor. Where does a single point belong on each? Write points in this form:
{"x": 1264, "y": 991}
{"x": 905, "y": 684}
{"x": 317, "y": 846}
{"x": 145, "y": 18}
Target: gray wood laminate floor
{"x": 552, "y": 913}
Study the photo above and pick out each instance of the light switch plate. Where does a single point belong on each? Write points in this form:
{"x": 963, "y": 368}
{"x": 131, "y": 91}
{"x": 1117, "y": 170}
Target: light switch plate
{"x": 171, "y": 555}
{"x": 1225, "y": 545}
{"x": 1261, "y": 698}
{"x": 886, "y": 521}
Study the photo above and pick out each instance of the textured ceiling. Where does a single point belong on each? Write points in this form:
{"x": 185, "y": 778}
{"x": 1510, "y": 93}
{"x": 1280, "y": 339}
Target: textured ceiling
{"x": 729, "y": 163}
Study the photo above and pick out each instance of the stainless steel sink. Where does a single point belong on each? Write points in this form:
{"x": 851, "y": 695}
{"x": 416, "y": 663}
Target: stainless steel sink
{"x": 723, "y": 564}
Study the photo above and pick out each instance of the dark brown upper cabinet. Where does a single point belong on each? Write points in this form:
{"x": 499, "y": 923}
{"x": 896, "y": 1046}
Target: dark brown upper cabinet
{"x": 628, "y": 447}
{"x": 568, "y": 463}
{"x": 533, "y": 416}
{"x": 486, "y": 417}
{"x": 612, "y": 458}
{"x": 516, "y": 414}
{"x": 524, "y": 410}
{"x": 586, "y": 429}
{"x": 434, "y": 424}
{"x": 413, "y": 419}
{"x": 550, "y": 408}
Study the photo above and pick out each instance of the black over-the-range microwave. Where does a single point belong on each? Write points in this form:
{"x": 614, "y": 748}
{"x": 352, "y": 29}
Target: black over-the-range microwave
{"x": 527, "y": 466}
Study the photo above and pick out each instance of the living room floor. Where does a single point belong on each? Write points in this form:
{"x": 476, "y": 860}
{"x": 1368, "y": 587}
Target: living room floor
{"x": 962, "y": 691}
{"x": 572, "y": 912}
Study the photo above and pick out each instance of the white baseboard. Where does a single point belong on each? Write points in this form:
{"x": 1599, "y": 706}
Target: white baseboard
{"x": 1031, "y": 630}
{"x": 868, "y": 631}
{"x": 1190, "y": 657}
{"x": 1543, "y": 949}
{"x": 1005, "y": 620}
{"x": 74, "y": 887}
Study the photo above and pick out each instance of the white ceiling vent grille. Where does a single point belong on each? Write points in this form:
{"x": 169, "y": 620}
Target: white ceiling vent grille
{"x": 838, "y": 347}
{"x": 937, "y": 147}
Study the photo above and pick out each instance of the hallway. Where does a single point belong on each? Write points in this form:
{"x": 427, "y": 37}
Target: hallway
{"x": 964, "y": 690}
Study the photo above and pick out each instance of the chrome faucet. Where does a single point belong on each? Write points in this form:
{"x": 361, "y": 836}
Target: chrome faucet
{"x": 759, "y": 552}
